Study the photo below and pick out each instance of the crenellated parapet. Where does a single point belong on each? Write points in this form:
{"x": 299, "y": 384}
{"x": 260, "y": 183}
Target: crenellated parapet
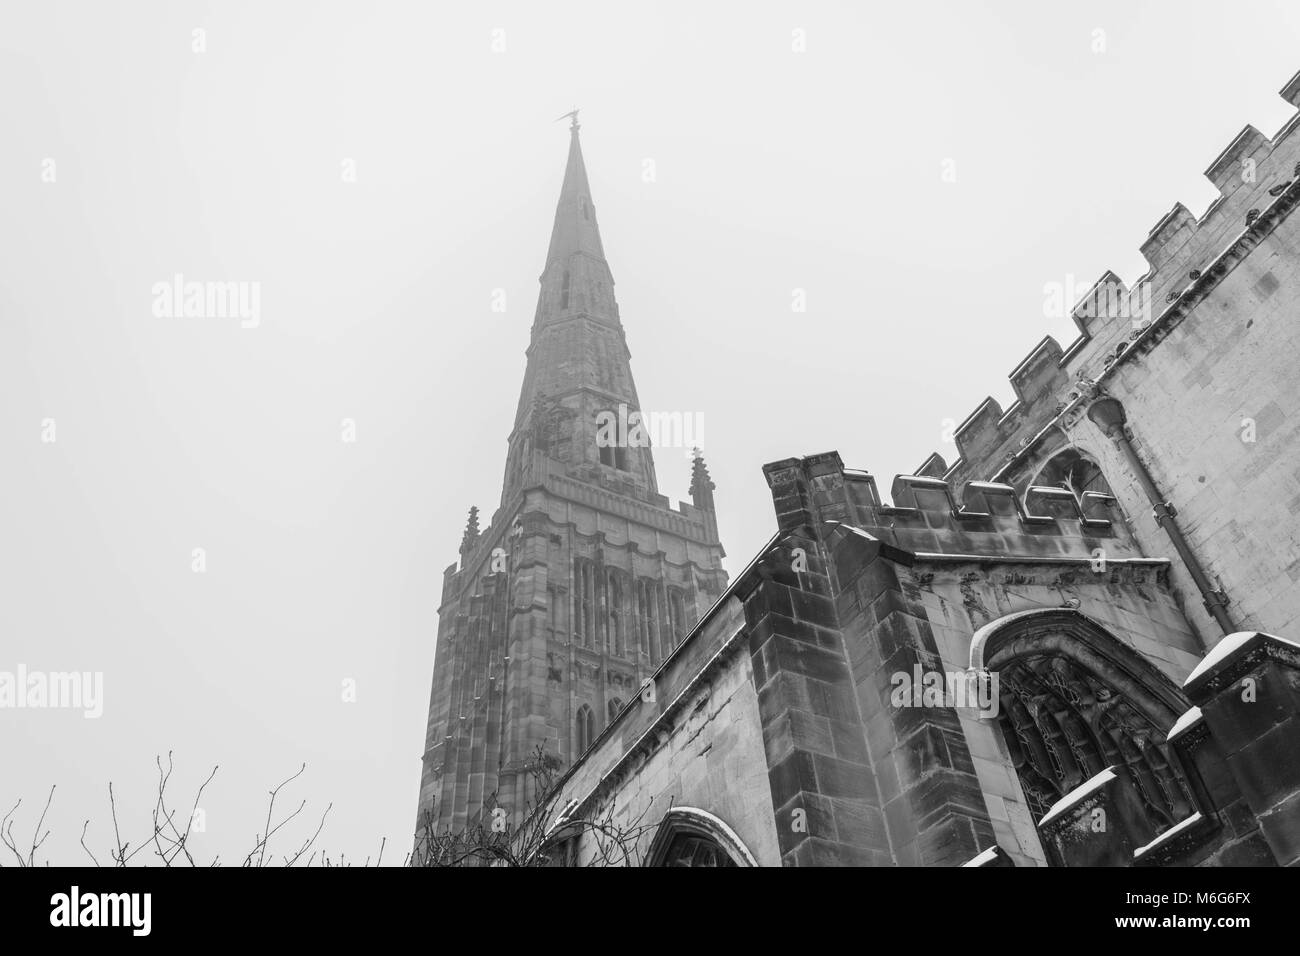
{"x": 931, "y": 516}
{"x": 1258, "y": 180}
{"x": 982, "y": 500}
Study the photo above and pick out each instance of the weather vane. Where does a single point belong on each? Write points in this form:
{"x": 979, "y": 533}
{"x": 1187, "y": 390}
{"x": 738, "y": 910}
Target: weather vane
{"x": 572, "y": 117}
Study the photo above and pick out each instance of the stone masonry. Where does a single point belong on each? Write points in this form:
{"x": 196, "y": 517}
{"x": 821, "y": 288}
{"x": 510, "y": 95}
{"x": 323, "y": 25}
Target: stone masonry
{"x": 1076, "y": 645}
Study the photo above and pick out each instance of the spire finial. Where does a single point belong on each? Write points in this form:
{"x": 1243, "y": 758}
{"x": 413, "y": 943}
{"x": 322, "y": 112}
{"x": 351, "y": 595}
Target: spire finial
{"x": 572, "y": 116}
{"x": 575, "y": 227}
{"x": 470, "y": 537}
{"x": 702, "y": 486}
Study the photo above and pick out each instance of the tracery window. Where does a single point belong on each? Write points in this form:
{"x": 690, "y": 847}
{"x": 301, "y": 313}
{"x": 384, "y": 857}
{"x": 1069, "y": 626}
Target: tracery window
{"x": 687, "y": 836}
{"x": 689, "y": 850}
{"x": 1074, "y": 700}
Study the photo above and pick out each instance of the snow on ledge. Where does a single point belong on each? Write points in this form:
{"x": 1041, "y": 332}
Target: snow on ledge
{"x": 983, "y": 859}
{"x": 1219, "y": 653}
{"x": 1077, "y": 795}
{"x": 1184, "y": 724}
{"x": 1170, "y": 834}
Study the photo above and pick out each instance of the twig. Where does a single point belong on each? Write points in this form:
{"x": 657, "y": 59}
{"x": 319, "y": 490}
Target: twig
{"x": 83, "y": 842}
{"x": 307, "y": 845}
{"x": 260, "y": 846}
{"x": 7, "y": 832}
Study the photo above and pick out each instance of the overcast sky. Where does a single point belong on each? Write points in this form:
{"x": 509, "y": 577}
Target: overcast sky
{"x": 129, "y": 158}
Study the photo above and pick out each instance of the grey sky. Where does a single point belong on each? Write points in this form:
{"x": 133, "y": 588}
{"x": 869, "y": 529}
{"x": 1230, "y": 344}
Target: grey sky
{"x": 774, "y": 170}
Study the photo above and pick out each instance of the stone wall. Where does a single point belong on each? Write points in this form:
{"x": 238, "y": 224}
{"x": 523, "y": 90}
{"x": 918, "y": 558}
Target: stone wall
{"x": 778, "y": 714}
{"x": 937, "y": 785}
{"x": 691, "y": 738}
{"x": 1202, "y": 353}
{"x": 1212, "y": 408}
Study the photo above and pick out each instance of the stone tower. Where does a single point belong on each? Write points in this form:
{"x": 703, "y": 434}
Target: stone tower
{"x": 587, "y": 578}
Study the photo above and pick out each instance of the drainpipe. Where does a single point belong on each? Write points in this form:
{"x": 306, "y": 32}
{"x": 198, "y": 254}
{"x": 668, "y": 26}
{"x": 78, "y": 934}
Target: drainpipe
{"x": 1108, "y": 415}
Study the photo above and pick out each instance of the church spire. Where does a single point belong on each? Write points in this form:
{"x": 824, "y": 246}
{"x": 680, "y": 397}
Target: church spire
{"x": 575, "y": 229}
{"x": 584, "y": 564}
{"x": 579, "y": 368}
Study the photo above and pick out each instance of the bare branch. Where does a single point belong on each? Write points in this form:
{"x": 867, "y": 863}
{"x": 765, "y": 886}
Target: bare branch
{"x": 83, "y": 843}
{"x": 303, "y": 849}
{"x": 7, "y": 832}
{"x": 36, "y": 844}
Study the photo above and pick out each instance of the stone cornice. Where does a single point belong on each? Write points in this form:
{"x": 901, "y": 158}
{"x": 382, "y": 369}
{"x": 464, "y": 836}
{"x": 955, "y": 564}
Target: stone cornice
{"x": 609, "y": 502}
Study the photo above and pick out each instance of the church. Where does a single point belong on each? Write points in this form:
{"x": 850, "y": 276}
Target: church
{"x": 1076, "y": 644}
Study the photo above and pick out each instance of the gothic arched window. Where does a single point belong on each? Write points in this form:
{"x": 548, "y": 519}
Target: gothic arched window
{"x": 564, "y": 292}
{"x": 584, "y": 730}
{"x": 1074, "y": 470}
{"x": 689, "y": 850}
{"x": 690, "y": 837}
{"x": 614, "y": 707}
{"x": 1074, "y": 700}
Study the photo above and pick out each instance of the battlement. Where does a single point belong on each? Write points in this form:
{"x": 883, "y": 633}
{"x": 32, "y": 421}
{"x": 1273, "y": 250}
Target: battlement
{"x": 1040, "y": 506}
{"x": 926, "y": 516}
{"x": 1257, "y": 179}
